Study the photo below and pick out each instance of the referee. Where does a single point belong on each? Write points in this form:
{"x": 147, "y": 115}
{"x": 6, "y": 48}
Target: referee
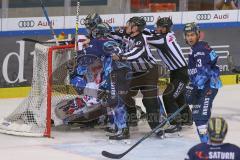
{"x": 144, "y": 66}
{"x": 170, "y": 53}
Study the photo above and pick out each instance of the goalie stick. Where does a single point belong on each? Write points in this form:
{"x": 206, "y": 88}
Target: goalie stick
{"x": 49, "y": 22}
{"x": 119, "y": 156}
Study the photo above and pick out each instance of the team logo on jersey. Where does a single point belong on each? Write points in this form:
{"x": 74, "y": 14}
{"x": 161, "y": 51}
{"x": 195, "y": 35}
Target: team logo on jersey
{"x": 26, "y": 24}
{"x": 201, "y": 155}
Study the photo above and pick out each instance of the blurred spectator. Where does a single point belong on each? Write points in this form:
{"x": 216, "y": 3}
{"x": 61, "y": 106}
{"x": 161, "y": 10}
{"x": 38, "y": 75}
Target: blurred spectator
{"x": 227, "y": 4}
{"x": 200, "y": 5}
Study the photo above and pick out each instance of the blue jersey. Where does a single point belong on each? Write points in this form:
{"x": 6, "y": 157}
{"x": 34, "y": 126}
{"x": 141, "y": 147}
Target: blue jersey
{"x": 96, "y": 47}
{"x": 204, "y": 151}
{"x": 202, "y": 68}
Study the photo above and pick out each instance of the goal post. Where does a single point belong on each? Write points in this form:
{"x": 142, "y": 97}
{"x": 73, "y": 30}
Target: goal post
{"x": 49, "y": 86}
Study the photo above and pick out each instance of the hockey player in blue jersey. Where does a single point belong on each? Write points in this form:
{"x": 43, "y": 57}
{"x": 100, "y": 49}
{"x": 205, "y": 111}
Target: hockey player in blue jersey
{"x": 90, "y": 22}
{"x": 215, "y": 149}
{"x": 90, "y": 75}
{"x": 204, "y": 79}
{"x": 120, "y": 81}
{"x": 102, "y": 46}
{"x": 95, "y": 48}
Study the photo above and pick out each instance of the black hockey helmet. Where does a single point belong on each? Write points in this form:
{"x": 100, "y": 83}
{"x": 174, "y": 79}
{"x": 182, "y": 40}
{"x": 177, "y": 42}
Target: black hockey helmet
{"x": 165, "y": 22}
{"x": 102, "y": 30}
{"x": 191, "y": 27}
{"x": 217, "y": 129}
{"x": 92, "y": 20}
{"x": 138, "y": 21}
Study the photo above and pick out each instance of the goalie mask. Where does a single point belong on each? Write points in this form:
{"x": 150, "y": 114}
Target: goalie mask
{"x": 92, "y": 20}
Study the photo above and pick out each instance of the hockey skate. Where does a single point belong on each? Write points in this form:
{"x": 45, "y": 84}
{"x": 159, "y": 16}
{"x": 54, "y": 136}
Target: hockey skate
{"x": 161, "y": 134}
{"x": 173, "y": 128}
{"x": 110, "y": 129}
{"x": 121, "y": 135}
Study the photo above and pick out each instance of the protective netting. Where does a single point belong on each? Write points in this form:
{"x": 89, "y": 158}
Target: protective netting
{"x": 30, "y": 117}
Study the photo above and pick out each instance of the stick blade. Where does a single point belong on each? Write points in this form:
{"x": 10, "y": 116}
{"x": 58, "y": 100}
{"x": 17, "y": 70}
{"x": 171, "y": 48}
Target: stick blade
{"x": 30, "y": 40}
{"x": 111, "y": 155}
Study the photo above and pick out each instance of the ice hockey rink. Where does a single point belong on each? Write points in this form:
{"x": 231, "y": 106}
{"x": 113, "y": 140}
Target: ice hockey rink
{"x": 85, "y": 144}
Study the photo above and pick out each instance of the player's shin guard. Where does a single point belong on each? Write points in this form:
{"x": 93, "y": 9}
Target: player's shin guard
{"x": 120, "y": 116}
{"x": 202, "y": 131}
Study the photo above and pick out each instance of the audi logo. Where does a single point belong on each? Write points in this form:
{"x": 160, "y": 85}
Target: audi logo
{"x": 82, "y": 21}
{"x": 26, "y": 24}
{"x": 148, "y": 18}
{"x": 203, "y": 17}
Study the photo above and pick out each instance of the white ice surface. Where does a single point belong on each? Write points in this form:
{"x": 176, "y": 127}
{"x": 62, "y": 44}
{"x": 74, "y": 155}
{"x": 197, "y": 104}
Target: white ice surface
{"x": 78, "y": 144}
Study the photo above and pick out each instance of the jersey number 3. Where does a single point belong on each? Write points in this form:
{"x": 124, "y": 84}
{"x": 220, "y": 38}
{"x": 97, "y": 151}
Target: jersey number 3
{"x": 199, "y": 63}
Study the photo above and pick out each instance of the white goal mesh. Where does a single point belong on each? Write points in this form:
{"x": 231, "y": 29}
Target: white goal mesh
{"x": 49, "y": 86}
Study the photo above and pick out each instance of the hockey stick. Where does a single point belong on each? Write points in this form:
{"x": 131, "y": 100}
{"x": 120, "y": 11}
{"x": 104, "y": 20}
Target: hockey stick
{"x": 49, "y": 22}
{"x": 42, "y": 42}
{"x": 76, "y": 26}
{"x": 119, "y": 156}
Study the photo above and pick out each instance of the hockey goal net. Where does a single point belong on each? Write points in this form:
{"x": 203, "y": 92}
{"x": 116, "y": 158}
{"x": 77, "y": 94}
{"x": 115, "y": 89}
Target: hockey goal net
{"x": 50, "y": 84}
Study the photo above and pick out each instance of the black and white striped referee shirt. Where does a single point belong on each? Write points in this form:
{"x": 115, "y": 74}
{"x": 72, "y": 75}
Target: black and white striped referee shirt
{"x": 168, "y": 50}
{"x": 137, "y": 51}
